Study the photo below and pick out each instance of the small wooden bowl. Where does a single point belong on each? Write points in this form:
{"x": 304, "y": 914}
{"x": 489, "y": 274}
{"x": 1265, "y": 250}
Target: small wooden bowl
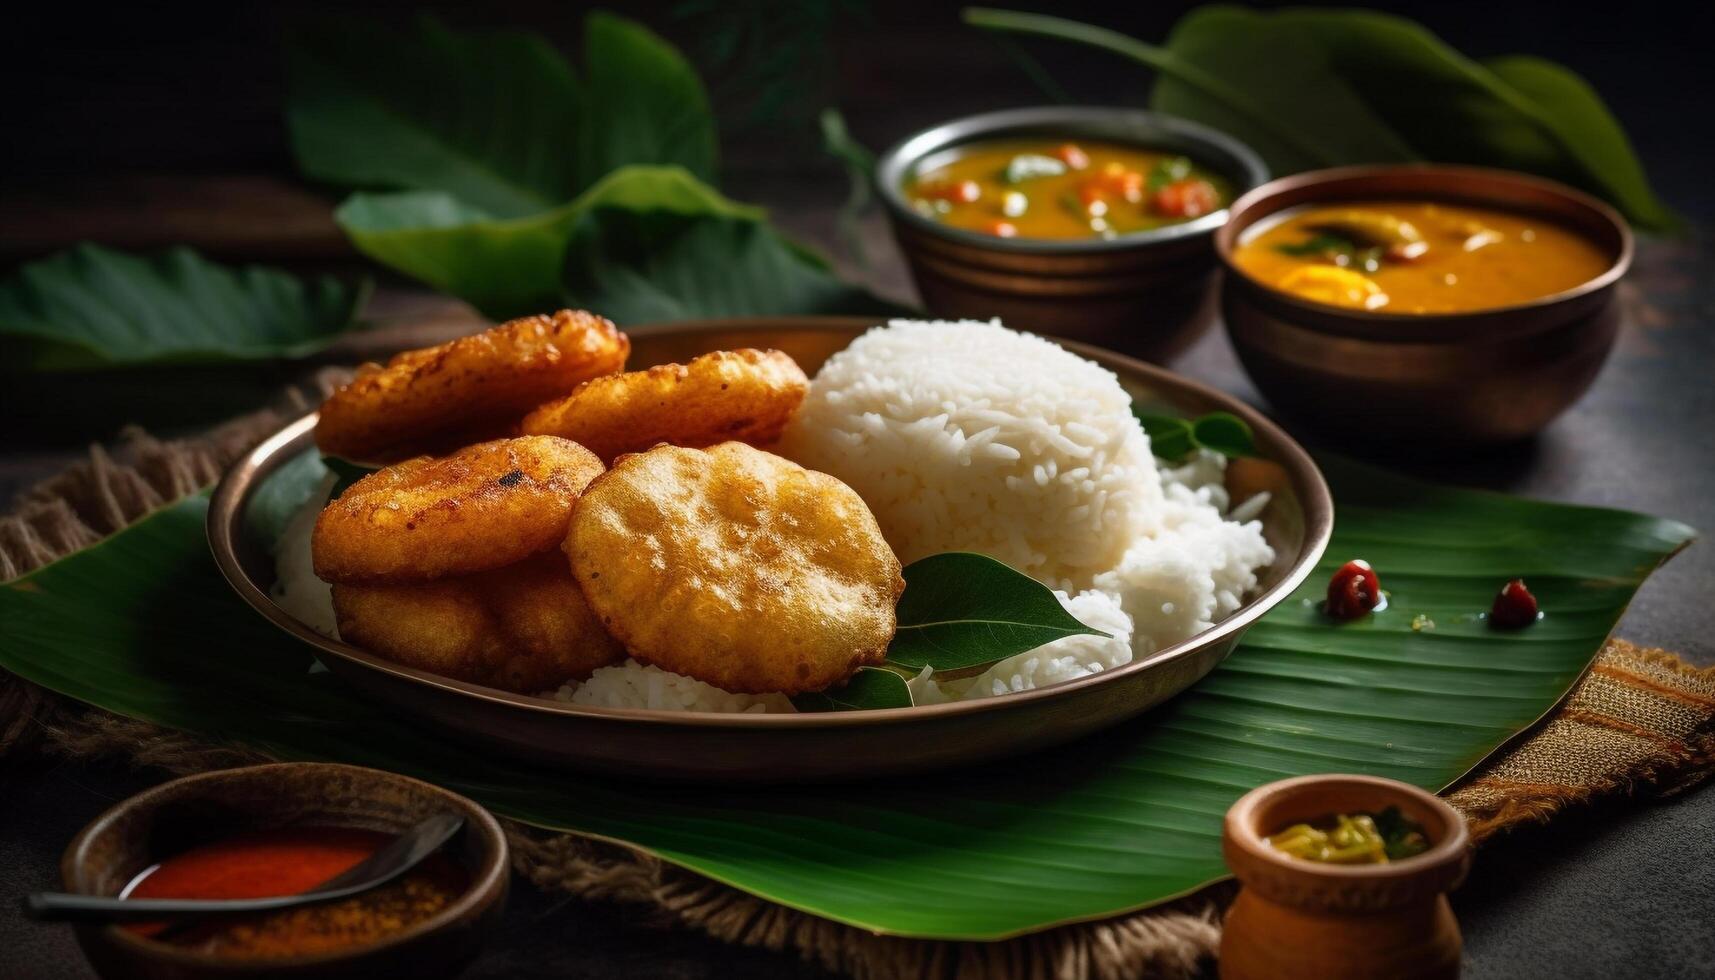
{"x": 1148, "y": 294}
{"x": 1425, "y": 380}
{"x": 142, "y": 830}
{"x": 1303, "y": 919}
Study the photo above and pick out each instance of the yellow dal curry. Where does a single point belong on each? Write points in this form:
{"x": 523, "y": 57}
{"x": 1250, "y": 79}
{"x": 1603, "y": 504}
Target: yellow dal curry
{"x": 1417, "y": 257}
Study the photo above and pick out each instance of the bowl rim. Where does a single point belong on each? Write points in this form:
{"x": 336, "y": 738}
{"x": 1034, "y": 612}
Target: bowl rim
{"x": 893, "y": 164}
{"x": 1443, "y": 857}
{"x": 487, "y": 882}
{"x": 245, "y": 475}
{"x": 1226, "y": 241}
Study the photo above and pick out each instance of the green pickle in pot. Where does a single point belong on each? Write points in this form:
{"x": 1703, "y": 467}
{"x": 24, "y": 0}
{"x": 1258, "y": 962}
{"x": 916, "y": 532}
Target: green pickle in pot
{"x": 1356, "y": 838}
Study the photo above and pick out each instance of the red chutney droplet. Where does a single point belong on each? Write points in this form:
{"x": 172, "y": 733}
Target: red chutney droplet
{"x": 1353, "y": 591}
{"x": 1514, "y": 608}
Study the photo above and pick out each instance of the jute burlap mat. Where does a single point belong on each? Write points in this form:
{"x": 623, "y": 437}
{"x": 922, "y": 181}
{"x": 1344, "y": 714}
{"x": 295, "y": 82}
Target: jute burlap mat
{"x": 1642, "y": 721}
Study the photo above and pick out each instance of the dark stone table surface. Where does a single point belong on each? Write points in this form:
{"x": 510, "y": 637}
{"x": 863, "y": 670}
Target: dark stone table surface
{"x": 1625, "y": 888}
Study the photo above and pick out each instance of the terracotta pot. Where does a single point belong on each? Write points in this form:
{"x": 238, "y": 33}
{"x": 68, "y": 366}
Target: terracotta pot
{"x": 1296, "y": 919}
{"x": 1148, "y": 294}
{"x": 1425, "y": 380}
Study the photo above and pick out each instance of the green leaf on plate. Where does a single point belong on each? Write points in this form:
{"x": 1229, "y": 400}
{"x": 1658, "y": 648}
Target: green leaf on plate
{"x": 1311, "y": 87}
{"x": 1224, "y": 433}
{"x": 1169, "y": 436}
{"x": 869, "y": 688}
{"x": 90, "y": 308}
{"x": 962, "y": 611}
{"x": 1173, "y": 438}
{"x": 143, "y": 625}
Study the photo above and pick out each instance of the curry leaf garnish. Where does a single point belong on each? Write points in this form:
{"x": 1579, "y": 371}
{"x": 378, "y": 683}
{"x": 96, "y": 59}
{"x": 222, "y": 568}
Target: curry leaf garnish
{"x": 1173, "y": 438}
{"x": 963, "y": 610}
{"x": 1169, "y": 436}
{"x": 1340, "y": 250}
{"x": 1224, "y": 433}
{"x": 1322, "y": 244}
{"x": 869, "y": 688}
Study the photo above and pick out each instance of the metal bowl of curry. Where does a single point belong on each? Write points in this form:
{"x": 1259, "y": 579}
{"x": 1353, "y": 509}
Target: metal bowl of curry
{"x": 1422, "y": 305}
{"x": 1084, "y": 222}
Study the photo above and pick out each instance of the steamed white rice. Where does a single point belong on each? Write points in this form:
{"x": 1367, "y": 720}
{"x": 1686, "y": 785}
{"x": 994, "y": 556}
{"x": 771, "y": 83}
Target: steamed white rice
{"x": 968, "y": 436}
{"x": 971, "y": 437}
{"x": 634, "y": 685}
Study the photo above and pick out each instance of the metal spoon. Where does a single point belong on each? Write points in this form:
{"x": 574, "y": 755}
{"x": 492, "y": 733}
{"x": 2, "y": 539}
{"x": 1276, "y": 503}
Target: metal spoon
{"x": 398, "y": 857}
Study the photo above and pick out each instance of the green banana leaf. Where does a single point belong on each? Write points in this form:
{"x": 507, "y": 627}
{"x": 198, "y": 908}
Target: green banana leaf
{"x": 486, "y": 166}
{"x": 499, "y": 120}
{"x": 93, "y": 308}
{"x": 142, "y": 625}
{"x": 645, "y": 244}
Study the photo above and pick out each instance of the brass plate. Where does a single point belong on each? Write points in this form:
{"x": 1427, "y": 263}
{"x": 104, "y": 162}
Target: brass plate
{"x": 704, "y": 746}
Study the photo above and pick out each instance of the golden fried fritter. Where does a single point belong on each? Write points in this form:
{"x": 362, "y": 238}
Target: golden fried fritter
{"x": 471, "y": 389}
{"x": 484, "y": 506}
{"x": 736, "y": 567}
{"x": 741, "y": 395}
{"x": 524, "y": 627}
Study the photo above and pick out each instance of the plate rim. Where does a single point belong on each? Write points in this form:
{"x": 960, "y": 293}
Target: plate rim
{"x": 245, "y": 474}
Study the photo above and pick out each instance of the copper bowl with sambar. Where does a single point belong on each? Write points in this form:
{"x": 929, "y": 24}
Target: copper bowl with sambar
{"x": 1424, "y": 306}
{"x": 1083, "y": 222}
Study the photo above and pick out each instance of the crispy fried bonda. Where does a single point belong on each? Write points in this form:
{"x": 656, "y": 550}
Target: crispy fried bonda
{"x": 740, "y": 395}
{"x": 484, "y": 506}
{"x": 736, "y": 567}
{"x": 524, "y": 627}
{"x": 473, "y": 388}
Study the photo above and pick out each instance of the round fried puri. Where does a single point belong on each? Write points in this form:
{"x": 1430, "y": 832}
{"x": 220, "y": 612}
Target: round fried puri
{"x": 484, "y": 506}
{"x": 471, "y": 389}
{"x": 735, "y": 567}
{"x": 741, "y": 395}
{"x": 523, "y": 628}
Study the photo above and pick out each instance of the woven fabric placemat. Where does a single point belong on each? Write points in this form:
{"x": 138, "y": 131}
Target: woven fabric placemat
{"x": 1641, "y": 721}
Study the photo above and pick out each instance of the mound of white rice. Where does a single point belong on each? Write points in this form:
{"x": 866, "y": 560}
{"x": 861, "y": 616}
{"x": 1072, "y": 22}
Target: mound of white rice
{"x": 971, "y": 437}
{"x": 634, "y": 685}
{"x": 1195, "y": 568}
